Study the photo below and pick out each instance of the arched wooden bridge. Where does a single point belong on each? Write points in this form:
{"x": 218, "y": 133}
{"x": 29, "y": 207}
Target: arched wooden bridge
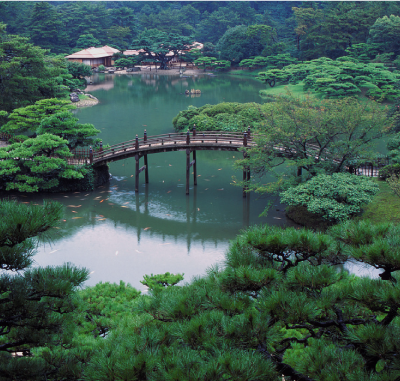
{"x": 189, "y": 142}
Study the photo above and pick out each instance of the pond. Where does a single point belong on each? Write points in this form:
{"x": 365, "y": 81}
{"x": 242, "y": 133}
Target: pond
{"x": 121, "y": 235}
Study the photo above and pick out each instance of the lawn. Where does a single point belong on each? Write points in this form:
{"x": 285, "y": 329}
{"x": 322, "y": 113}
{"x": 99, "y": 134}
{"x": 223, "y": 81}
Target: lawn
{"x": 384, "y": 207}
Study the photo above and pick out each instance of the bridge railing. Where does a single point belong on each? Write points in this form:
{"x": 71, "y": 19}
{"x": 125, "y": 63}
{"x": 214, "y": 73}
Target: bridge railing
{"x": 167, "y": 139}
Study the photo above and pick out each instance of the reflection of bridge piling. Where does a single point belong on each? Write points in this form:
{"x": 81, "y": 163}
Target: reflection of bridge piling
{"x": 189, "y": 163}
{"x": 246, "y": 169}
{"x": 144, "y": 168}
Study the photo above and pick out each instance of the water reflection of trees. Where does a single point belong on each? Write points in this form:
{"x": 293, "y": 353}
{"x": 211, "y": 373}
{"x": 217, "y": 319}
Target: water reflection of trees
{"x": 191, "y": 225}
{"x": 169, "y": 89}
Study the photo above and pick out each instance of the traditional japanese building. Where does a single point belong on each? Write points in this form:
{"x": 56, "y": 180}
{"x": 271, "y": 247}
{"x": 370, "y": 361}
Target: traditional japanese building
{"x": 94, "y": 56}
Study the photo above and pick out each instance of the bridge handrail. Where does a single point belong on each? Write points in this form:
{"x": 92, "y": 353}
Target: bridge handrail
{"x": 171, "y": 137}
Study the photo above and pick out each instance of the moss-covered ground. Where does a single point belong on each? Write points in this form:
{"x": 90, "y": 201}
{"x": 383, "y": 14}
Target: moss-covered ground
{"x": 385, "y": 206}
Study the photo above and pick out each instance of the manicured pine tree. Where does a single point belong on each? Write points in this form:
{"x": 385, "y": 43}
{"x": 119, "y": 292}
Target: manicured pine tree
{"x": 35, "y": 302}
{"x": 278, "y": 307}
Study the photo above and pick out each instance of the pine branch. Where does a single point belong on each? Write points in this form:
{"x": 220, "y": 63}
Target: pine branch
{"x": 282, "y": 368}
{"x": 290, "y": 339}
{"x": 6, "y": 346}
{"x": 390, "y": 316}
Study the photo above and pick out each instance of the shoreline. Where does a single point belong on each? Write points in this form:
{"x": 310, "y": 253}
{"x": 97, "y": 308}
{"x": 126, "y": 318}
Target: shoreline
{"x": 173, "y": 71}
{"x": 86, "y": 102}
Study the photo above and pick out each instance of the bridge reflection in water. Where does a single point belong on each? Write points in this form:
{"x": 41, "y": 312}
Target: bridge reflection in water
{"x": 143, "y": 215}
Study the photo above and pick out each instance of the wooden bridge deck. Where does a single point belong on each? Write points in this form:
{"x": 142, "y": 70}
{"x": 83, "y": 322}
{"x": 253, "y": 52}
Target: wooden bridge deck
{"x": 210, "y": 140}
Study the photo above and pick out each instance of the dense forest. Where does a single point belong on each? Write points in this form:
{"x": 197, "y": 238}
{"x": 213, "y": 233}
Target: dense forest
{"x": 306, "y": 30}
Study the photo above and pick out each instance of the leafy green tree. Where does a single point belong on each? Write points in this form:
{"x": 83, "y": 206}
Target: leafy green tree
{"x": 209, "y": 50}
{"x": 87, "y": 41}
{"x": 385, "y": 33}
{"x": 221, "y": 64}
{"x": 124, "y": 17}
{"x": 25, "y": 77}
{"x": 330, "y": 30}
{"x": 333, "y": 197}
{"x": 37, "y": 164}
{"x": 128, "y": 61}
{"x": 213, "y": 25}
{"x": 66, "y": 126}
{"x": 318, "y": 137}
{"x": 191, "y": 56}
{"x": 78, "y": 69}
{"x": 340, "y": 78}
{"x": 157, "y": 44}
{"x": 272, "y": 62}
{"x": 242, "y": 42}
{"x": 363, "y": 52}
{"x": 168, "y": 20}
{"x": 36, "y": 303}
{"x": 46, "y": 28}
{"x": 394, "y": 184}
{"x": 191, "y": 14}
{"x": 206, "y": 62}
{"x": 261, "y": 37}
{"x": 255, "y": 62}
{"x": 16, "y": 16}
{"x": 393, "y": 146}
{"x": 226, "y": 116}
{"x": 26, "y": 120}
{"x": 117, "y": 36}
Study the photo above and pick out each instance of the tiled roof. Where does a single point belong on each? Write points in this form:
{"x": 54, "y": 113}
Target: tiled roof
{"x": 105, "y": 51}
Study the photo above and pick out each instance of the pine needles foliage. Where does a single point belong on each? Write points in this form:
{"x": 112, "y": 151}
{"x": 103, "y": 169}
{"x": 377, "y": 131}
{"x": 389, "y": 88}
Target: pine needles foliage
{"x": 278, "y": 305}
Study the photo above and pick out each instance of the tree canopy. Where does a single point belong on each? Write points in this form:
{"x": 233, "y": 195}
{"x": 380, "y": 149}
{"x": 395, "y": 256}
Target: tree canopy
{"x": 47, "y": 132}
{"x": 279, "y": 306}
{"x": 340, "y": 78}
{"x": 25, "y": 77}
{"x": 157, "y": 45}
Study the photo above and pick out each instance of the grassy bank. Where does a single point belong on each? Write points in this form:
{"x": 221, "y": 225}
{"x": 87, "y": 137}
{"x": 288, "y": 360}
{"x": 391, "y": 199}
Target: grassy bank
{"x": 385, "y": 206}
{"x": 245, "y": 73}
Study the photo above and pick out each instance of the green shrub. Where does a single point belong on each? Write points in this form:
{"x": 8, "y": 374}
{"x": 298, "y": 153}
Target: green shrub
{"x": 223, "y": 116}
{"x": 334, "y": 197}
{"x": 389, "y": 170}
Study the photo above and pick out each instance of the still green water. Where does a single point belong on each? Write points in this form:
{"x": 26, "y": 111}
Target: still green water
{"x": 120, "y": 235}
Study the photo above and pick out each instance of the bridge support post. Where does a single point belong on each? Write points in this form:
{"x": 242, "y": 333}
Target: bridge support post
{"x": 187, "y": 170}
{"x": 137, "y": 174}
{"x": 91, "y": 155}
{"x": 246, "y": 179}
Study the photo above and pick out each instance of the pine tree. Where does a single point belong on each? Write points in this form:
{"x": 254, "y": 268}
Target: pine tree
{"x": 278, "y": 307}
{"x": 25, "y": 77}
{"x": 35, "y": 303}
